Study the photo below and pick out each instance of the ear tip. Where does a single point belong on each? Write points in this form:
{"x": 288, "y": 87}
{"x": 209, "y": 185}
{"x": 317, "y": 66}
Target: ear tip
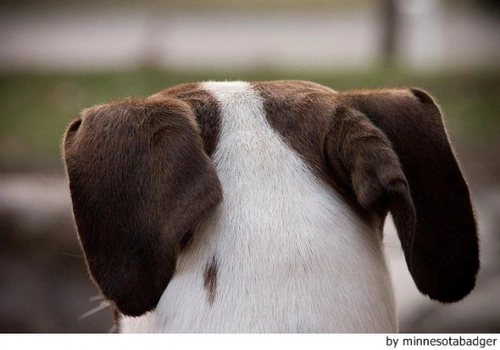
{"x": 450, "y": 289}
{"x": 453, "y": 293}
{"x": 134, "y": 303}
{"x": 133, "y": 309}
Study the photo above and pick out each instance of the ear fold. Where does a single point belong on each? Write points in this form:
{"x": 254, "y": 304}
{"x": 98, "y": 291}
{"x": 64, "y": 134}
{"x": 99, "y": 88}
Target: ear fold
{"x": 139, "y": 180}
{"x": 363, "y": 159}
{"x": 441, "y": 245}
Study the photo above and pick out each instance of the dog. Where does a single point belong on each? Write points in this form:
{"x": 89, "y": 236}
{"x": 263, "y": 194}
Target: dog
{"x": 259, "y": 206}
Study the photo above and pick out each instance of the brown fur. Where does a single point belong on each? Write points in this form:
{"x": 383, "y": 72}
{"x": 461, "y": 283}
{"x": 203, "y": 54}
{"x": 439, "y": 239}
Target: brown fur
{"x": 442, "y": 254}
{"x": 301, "y": 113}
{"x": 204, "y": 107}
{"x": 139, "y": 180}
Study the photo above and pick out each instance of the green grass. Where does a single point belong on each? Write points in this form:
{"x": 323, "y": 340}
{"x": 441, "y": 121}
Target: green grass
{"x": 36, "y": 108}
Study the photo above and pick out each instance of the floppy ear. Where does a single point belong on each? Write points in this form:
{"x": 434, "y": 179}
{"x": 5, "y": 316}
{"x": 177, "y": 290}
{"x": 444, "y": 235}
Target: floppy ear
{"x": 440, "y": 244}
{"x": 139, "y": 180}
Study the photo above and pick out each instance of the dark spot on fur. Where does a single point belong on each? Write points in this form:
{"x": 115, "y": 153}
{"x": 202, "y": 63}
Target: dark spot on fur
{"x": 210, "y": 279}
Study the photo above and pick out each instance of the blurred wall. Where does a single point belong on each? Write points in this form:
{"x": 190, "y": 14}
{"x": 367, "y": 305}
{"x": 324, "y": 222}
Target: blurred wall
{"x": 303, "y": 34}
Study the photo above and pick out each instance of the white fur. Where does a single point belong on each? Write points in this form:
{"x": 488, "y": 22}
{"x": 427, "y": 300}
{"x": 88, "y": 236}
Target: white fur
{"x": 291, "y": 254}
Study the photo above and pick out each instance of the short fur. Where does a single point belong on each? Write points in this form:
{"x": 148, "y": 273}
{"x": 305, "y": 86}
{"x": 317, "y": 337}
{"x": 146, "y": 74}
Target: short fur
{"x": 258, "y": 207}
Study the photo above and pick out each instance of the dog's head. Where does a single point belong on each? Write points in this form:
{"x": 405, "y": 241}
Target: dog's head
{"x": 141, "y": 179}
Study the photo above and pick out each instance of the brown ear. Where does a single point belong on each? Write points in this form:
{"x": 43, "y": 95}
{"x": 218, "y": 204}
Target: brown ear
{"x": 363, "y": 161}
{"x": 442, "y": 252}
{"x": 139, "y": 180}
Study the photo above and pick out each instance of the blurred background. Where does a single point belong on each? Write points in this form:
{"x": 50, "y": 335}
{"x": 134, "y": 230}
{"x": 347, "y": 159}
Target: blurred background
{"x": 60, "y": 56}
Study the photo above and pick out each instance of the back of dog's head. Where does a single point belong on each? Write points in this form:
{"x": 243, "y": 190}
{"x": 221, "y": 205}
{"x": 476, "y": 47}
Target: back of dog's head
{"x": 141, "y": 179}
